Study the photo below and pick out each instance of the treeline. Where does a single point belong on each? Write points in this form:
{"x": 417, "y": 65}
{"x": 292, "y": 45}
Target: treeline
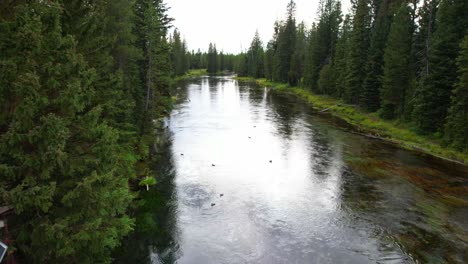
{"x": 212, "y": 60}
{"x": 405, "y": 60}
{"x": 81, "y": 86}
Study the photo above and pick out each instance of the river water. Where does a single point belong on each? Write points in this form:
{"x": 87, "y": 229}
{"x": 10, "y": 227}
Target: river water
{"x": 251, "y": 176}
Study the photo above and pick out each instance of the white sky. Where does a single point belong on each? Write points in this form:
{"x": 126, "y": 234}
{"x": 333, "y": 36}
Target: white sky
{"x": 232, "y": 23}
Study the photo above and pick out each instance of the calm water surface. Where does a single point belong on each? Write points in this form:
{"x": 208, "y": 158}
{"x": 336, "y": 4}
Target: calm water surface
{"x": 296, "y": 186}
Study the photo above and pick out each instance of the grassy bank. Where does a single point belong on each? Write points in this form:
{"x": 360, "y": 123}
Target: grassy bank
{"x": 369, "y": 123}
{"x": 191, "y": 74}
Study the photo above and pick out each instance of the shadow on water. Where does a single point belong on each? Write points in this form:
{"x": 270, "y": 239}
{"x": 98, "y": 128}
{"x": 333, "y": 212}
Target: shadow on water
{"x": 154, "y": 239}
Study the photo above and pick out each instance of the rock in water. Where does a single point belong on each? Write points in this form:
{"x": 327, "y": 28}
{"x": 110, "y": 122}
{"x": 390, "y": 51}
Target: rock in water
{"x": 213, "y": 204}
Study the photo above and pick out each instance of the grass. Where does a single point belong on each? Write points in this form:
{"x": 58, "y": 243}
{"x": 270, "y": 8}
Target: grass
{"x": 191, "y": 74}
{"x": 369, "y": 123}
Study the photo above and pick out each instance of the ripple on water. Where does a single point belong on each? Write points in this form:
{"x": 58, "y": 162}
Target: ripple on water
{"x": 195, "y": 195}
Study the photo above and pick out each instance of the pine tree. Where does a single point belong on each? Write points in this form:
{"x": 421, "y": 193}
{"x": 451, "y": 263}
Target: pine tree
{"x": 340, "y": 63}
{"x": 222, "y": 61}
{"x": 327, "y": 81}
{"x": 212, "y": 59}
{"x": 152, "y": 28}
{"x": 397, "y": 69}
{"x": 358, "y": 50}
{"x": 432, "y": 98}
{"x": 62, "y": 168}
{"x": 178, "y": 54}
{"x": 286, "y": 43}
{"x": 370, "y": 98}
{"x": 300, "y": 52}
{"x": 323, "y": 42}
{"x": 270, "y": 52}
{"x": 456, "y": 128}
{"x": 255, "y": 56}
{"x": 241, "y": 64}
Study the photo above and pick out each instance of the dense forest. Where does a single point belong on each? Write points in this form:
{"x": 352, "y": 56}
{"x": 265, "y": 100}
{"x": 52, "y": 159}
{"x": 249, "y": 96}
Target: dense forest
{"x": 81, "y": 84}
{"x": 84, "y": 83}
{"x": 405, "y": 60}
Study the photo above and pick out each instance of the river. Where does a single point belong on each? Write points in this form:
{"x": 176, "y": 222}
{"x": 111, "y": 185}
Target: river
{"x": 252, "y": 176}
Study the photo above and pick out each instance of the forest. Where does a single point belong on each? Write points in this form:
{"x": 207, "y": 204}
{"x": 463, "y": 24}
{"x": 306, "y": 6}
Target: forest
{"x": 82, "y": 84}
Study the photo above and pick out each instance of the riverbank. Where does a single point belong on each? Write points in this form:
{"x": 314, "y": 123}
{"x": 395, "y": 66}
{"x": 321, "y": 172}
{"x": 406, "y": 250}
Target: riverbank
{"x": 191, "y": 74}
{"x": 201, "y": 72}
{"x": 369, "y": 124}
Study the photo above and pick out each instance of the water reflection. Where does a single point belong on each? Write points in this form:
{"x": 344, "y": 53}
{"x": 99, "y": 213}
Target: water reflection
{"x": 296, "y": 188}
{"x": 155, "y": 239}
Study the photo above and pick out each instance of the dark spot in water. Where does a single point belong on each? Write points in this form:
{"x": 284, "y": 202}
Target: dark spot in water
{"x": 212, "y": 165}
{"x": 213, "y": 204}
{"x": 195, "y": 195}
{"x": 221, "y": 195}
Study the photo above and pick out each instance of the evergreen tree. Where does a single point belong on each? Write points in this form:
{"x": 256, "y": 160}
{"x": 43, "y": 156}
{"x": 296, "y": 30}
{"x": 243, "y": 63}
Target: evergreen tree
{"x": 196, "y": 60}
{"x": 423, "y": 36}
{"x": 255, "y": 56}
{"x": 358, "y": 50}
{"x": 456, "y": 128}
{"x": 370, "y": 98}
{"x": 397, "y": 70}
{"x": 270, "y": 52}
{"x": 323, "y": 42}
{"x": 62, "y": 167}
{"x": 327, "y": 81}
{"x": 241, "y": 65}
{"x": 285, "y": 48}
{"x": 432, "y": 98}
{"x": 300, "y": 53}
{"x": 222, "y": 61}
{"x": 212, "y": 59}
{"x": 178, "y": 54}
{"x": 340, "y": 63}
{"x": 420, "y": 51}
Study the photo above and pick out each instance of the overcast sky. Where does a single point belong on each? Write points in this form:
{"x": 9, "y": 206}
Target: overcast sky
{"x": 231, "y": 24}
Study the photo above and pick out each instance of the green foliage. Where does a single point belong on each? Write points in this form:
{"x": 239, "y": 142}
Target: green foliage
{"x": 370, "y": 97}
{"x": 397, "y": 72}
{"x": 65, "y": 175}
{"x": 241, "y": 65}
{"x": 358, "y": 51}
{"x": 269, "y": 60}
{"x": 322, "y": 43}
{"x": 180, "y": 61}
{"x": 327, "y": 80}
{"x": 148, "y": 180}
{"x": 456, "y": 129}
{"x": 255, "y": 57}
{"x": 298, "y": 58}
{"x": 285, "y": 46}
{"x": 212, "y": 63}
{"x": 340, "y": 61}
{"x": 432, "y": 98}
{"x": 81, "y": 83}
